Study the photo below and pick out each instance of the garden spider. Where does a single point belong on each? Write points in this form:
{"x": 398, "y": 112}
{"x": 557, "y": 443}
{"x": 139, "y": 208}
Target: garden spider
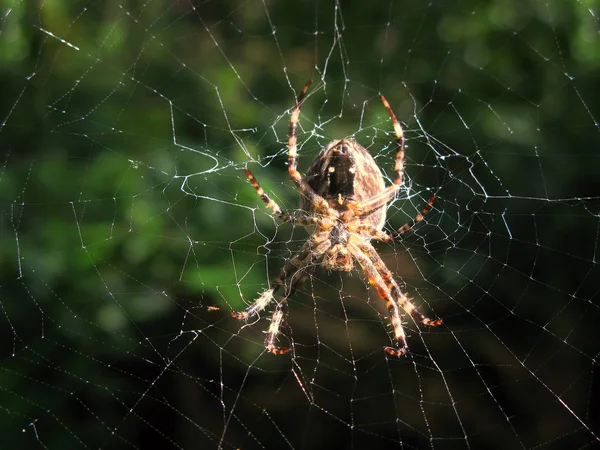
{"x": 344, "y": 202}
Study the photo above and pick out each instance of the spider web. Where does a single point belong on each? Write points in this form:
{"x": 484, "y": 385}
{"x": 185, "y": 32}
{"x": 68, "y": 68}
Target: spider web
{"x": 129, "y": 230}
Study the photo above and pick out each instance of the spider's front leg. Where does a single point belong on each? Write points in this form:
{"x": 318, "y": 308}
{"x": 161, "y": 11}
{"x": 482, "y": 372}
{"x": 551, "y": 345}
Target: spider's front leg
{"x": 377, "y": 281}
{"x": 294, "y": 265}
{"x": 297, "y": 271}
{"x": 398, "y": 295}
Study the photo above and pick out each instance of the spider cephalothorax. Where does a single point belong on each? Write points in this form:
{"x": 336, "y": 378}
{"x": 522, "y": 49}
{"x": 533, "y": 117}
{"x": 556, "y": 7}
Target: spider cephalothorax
{"x": 343, "y": 202}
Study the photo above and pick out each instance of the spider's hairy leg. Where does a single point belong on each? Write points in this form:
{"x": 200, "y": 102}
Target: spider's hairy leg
{"x": 276, "y": 321}
{"x": 292, "y": 140}
{"x": 316, "y": 245}
{"x": 277, "y": 317}
{"x": 386, "y": 195}
{"x": 376, "y": 280}
{"x": 299, "y": 260}
{"x": 393, "y": 287}
{"x": 319, "y": 202}
{"x": 298, "y": 269}
{"x": 273, "y": 206}
{"x": 259, "y": 304}
{"x": 400, "y": 141}
{"x": 374, "y": 233}
{"x": 370, "y": 231}
{"x": 407, "y": 226}
{"x": 378, "y": 201}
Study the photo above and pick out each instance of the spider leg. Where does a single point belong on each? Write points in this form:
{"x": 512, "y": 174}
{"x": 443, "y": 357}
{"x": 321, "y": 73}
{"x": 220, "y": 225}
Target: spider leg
{"x": 377, "y": 201}
{"x": 407, "y": 226}
{"x": 388, "y": 193}
{"x": 276, "y": 321}
{"x": 393, "y": 287}
{"x": 273, "y": 206}
{"x": 298, "y": 261}
{"x": 298, "y": 268}
{"x": 377, "y": 281}
{"x": 277, "y": 317}
{"x": 400, "y": 141}
{"x": 374, "y": 233}
{"x": 319, "y": 202}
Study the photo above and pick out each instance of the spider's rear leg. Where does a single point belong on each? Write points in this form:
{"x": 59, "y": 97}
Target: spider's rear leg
{"x": 408, "y": 225}
{"x": 400, "y": 143}
{"x": 319, "y": 202}
{"x": 272, "y": 205}
{"x": 377, "y": 234}
{"x": 303, "y": 220}
{"x": 388, "y": 193}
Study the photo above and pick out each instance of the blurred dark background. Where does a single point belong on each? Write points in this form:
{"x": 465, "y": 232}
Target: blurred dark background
{"x": 126, "y": 216}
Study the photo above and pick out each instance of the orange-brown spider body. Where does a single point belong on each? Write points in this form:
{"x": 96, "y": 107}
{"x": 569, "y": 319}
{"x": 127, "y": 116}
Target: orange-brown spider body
{"x": 344, "y": 173}
{"x": 343, "y": 202}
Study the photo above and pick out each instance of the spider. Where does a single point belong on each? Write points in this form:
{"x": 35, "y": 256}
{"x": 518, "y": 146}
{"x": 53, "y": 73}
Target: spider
{"x": 344, "y": 203}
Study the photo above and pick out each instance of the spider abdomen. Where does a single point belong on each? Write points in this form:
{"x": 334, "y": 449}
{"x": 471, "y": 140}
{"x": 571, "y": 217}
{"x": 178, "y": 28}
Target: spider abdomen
{"x": 345, "y": 171}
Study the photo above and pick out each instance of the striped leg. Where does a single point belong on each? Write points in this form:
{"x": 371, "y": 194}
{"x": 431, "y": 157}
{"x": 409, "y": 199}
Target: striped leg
{"x": 407, "y": 226}
{"x": 300, "y": 259}
{"x": 389, "y": 192}
{"x": 372, "y": 232}
{"x": 319, "y": 202}
{"x": 378, "y": 201}
{"x": 276, "y": 321}
{"x": 377, "y": 281}
{"x": 400, "y": 141}
{"x": 273, "y": 206}
{"x": 392, "y": 286}
{"x": 277, "y": 317}
{"x": 298, "y": 269}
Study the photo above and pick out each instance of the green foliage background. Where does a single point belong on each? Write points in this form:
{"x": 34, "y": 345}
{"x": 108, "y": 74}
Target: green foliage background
{"x": 125, "y": 213}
